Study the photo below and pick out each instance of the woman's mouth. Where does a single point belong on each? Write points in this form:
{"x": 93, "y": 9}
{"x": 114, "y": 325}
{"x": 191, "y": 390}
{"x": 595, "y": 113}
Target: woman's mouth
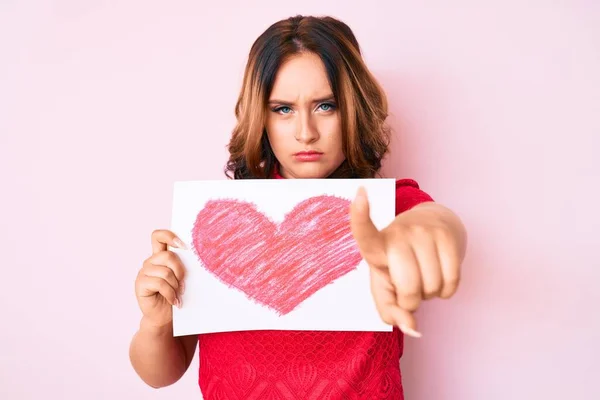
{"x": 308, "y": 156}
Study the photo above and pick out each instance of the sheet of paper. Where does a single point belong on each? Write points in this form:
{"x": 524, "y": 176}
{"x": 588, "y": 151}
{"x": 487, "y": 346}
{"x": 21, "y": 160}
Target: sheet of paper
{"x": 275, "y": 254}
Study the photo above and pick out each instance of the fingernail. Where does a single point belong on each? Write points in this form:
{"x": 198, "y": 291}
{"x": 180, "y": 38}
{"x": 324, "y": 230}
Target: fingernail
{"x": 409, "y": 331}
{"x": 361, "y": 196}
{"x": 181, "y": 287}
{"x": 178, "y": 302}
{"x": 179, "y": 243}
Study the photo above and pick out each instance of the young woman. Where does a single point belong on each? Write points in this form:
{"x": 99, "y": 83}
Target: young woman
{"x": 309, "y": 108}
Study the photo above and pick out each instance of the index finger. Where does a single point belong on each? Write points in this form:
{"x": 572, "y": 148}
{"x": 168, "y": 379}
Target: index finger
{"x": 368, "y": 238}
{"x": 161, "y": 238}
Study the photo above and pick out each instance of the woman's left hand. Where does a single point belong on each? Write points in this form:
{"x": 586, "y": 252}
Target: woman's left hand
{"x": 417, "y": 257}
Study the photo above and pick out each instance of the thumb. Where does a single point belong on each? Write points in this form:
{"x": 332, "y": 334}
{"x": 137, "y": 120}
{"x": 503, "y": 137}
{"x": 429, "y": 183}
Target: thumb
{"x": 368, "y": 238}
{"x": 403, "y": 319}
{"x": 406, "y": 322}
{"x": 384, "y": 297}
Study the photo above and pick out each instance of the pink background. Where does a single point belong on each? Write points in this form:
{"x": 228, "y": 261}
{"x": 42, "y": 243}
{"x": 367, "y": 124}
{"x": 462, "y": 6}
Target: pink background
{"x": 497, "y": 112}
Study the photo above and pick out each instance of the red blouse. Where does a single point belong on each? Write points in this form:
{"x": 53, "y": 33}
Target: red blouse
{"x": 306, "y": 365}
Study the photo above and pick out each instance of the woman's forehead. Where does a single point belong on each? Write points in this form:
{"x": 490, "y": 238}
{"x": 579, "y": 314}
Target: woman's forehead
{"x": 301, "y": 77}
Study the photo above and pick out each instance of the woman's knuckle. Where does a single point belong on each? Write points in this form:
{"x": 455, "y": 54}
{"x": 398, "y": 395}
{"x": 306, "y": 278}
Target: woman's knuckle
{"x": 411, "y": 301}
{"x": 171, "y": 257}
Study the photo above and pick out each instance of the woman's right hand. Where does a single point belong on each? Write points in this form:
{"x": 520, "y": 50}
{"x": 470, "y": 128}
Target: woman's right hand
{"x": 159, "y": 283}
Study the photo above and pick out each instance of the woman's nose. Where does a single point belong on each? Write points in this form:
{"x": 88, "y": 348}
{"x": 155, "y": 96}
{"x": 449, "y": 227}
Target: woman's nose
{"x": 307, "y": 132}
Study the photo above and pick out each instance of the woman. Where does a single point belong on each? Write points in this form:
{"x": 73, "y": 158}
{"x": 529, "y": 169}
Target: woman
{"x": 309, "y": 108}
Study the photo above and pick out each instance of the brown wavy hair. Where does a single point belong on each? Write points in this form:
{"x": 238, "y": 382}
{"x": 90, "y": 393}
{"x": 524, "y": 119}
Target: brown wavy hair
{"x": 361, "y": 100}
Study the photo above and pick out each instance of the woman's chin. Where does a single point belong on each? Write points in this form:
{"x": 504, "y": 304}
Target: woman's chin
{"x": 309, "y": 172}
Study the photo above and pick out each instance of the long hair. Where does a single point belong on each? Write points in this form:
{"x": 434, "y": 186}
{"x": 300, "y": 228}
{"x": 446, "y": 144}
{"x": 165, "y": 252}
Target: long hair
{"x": 362, "y": 102}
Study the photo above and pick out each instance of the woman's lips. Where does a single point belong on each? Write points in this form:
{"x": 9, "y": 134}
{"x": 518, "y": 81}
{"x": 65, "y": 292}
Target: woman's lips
{"x": 308, "y": 156}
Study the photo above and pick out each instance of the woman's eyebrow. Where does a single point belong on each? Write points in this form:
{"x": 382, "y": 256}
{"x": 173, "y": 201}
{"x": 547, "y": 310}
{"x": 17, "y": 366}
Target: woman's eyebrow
{"x": 329, "y": 98}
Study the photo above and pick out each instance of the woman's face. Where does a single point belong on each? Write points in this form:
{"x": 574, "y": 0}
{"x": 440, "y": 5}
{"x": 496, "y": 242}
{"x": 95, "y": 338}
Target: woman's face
{"x": 303, "y": 122}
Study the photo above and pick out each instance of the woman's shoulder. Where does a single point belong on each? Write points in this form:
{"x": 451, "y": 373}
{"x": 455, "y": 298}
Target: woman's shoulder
{"x": 407, "y": 182}
{"x": 409, "y": 194}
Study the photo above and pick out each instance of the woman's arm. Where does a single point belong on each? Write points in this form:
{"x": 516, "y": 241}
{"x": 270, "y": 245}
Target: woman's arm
{"x": 159, "y": 358}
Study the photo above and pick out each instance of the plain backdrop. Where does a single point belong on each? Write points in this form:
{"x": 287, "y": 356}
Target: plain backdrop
{"x": 496, "y": 111}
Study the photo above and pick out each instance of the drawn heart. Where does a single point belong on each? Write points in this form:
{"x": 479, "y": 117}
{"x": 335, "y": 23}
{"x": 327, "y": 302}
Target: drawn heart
{"x": 278, "y": 265}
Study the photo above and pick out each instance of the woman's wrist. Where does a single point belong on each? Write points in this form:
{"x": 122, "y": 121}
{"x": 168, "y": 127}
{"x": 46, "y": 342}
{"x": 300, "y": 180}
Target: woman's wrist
{"x": 150, "y": 327}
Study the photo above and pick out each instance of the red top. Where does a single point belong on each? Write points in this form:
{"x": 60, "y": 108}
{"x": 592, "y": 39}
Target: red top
{"x": 307, "y": 365}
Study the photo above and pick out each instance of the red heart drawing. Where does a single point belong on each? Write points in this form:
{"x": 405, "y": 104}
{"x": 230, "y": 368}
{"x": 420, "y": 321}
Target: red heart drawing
{"x": 278, "y": 265}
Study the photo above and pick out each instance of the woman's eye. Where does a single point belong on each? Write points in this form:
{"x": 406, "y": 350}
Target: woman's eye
{"x": 326, "y": 107}
{"x": 283, "y": 110}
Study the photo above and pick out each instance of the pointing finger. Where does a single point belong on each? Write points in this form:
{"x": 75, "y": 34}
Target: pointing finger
{"x": 368, "y": 238}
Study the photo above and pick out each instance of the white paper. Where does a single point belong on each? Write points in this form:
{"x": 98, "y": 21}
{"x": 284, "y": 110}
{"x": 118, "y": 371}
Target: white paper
{"x": 212, "y": 305}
